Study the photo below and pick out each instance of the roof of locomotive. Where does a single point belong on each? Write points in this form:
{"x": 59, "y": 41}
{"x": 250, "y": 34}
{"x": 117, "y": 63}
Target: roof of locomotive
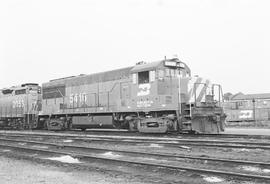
{"x": 91, "y": 78}
{"x": 6, "y": 91}
{"x": 141, "y": 66}
{"x": 106, "y": 76}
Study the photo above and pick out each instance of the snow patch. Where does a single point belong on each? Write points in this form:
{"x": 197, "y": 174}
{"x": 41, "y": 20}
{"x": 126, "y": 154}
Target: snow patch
{"x": 241, "y": 150}
{"x": 65, "y": 159}
{"x": 6, "y": 150}
{"x": 67, "y": 140}
{"x": 22, "y": 143}
{"x": 213, "y": 179}
{"x": 155, "y": 145}
{"x": 184, "y": 147}
{"x": 255, "y": 169}
{"x": 266, "y": 170}
{"x": 128, "y": 140}
{"x": 153, "y": 159}
{"x": 173, "y": 142}
{"x": 110, "y": 155}
{"x": 250, "y": 168}
{"x": 244, "y": 149}
{"x": 258, "y": 149}
{"x": 43, "y": 147}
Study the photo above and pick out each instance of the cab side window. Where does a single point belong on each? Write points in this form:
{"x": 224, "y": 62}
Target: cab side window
{"x": 143, "y": 77}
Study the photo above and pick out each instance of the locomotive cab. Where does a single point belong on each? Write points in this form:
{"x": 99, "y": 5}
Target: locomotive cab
{"x": 167, "y": 98}
{"x": 155, "y": 94}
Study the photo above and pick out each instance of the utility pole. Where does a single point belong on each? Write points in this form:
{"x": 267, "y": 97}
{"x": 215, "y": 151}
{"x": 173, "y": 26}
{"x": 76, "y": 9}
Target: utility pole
{"x": 254, "y": 109}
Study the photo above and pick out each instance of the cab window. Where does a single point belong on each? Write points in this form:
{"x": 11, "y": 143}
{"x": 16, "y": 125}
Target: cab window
{"x": 143, "y": 77}
{"x": 152, "y": 76}
{"x": 173, "y": 73}
{"x": 182, "y": 73}
{"x": 167, "y": 72}
{"x": 134, "y": 78}
{"x": 33, "y": 90}
{"x": 170, "y": 72}
{"x": 160, "y": 74}
{"x": 20, "y": 92}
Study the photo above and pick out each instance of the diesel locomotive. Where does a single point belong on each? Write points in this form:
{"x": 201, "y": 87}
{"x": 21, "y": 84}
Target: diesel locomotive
{"x": 156, "y": 97}
{"x": 19, "y": 106}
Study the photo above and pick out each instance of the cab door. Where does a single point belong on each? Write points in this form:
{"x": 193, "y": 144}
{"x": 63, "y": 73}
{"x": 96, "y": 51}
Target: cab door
{"x": 124, "y": 93}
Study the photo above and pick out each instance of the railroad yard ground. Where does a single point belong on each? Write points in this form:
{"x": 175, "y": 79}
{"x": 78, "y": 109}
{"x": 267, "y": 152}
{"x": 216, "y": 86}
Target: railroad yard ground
{"x": 27, "y": 167}
{"x": 248, "y": 131}
{"x": 14, "y": 170}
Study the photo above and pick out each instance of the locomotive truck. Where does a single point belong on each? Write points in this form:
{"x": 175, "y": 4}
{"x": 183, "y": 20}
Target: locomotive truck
{"x": 156, "y": 97}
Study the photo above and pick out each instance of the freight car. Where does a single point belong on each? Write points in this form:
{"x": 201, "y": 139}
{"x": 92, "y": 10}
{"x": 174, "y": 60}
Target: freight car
{"x": 154, "y": 97}
{"x": 19, "y": 106}
{"x": 252, "y": 107}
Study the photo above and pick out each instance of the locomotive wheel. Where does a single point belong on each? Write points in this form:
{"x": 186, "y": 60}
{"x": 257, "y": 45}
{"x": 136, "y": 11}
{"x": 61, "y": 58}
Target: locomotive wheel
{"x": 34, "y": 125}
{"x": 46, "y": 125}
{"x": 19, "y": 125}
{"x": 132, "y": 126}
{"x": 193, "y": 132}
{"x": 69, "y": 126}
{"x": 117, "y": 124}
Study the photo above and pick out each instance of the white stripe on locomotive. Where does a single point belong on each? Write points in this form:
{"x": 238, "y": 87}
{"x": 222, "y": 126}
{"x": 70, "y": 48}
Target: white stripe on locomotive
{"x": 203, "y": 92}
{"x": 202, "y": 89}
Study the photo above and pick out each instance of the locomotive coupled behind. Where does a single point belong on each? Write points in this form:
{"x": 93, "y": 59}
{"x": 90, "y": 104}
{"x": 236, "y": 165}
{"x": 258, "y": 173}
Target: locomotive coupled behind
{"x": 156, "y": 97}
{"x": 19, "y": 106}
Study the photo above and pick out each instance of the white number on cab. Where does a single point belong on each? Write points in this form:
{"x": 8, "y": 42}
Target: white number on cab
{"x": 19, "y": 103}
{"x": 77, "y": 98}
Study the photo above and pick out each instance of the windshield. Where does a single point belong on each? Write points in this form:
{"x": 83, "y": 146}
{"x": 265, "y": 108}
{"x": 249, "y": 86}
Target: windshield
{"x": 172, "y": 72}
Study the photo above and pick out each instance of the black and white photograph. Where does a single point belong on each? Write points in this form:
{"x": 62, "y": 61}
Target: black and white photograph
{"x": 134, "y": 92}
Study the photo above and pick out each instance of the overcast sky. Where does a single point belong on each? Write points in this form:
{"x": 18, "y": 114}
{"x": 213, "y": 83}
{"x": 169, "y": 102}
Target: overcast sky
{"x": 226, "y": 41}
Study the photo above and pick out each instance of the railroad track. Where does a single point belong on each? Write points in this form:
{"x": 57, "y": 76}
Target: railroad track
{"x": 170, "y": 134}
{"x": 134, "y": 157}
{"x": 173, "y": 142}
{"x": 138, "y": 152}
{"x": 136, "y": 134}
